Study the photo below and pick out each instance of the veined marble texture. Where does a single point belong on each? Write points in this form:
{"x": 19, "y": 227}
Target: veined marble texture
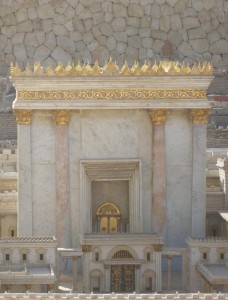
{"x": 179, "y": 177}
{"x": 109, "y": 134}
{"x": 43, "y": 138}
{"x": 44, "y": 199}
{"x": 178, "y": 191}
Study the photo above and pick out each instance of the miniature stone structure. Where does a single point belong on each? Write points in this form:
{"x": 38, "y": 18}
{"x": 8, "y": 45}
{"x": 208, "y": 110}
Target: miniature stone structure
{"x": 111, "y": 187}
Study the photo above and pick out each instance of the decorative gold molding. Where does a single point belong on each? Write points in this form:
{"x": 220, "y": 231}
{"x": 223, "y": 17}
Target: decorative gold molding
{"x": 158, "y": 247}
{"x": 23, "y": 117}
{"x": 111, "y": 94}
{"x": 169, "y": 68}
{"x": 200, "y": 116}
{"x": 86, "y": 248}
{"x": 62, "y": 117}
{"x": 158, "y": 116}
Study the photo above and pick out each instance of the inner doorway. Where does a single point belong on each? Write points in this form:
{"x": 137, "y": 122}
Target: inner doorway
{"x": 123, "y": 278}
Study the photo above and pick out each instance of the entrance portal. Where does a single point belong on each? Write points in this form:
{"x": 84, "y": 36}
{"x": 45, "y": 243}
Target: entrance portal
{"x": 123, "y": 278}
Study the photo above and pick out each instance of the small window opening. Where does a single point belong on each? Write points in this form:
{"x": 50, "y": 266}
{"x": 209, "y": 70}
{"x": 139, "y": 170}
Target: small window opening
{"x": 148, "y": 256}
{"x": 12, "y": 233}
{"x": 204, "y": 255}
{"x": 24, "y": 257}
{"x": 7, "y": 257}
{"x": 96, "y": 256}
{"x": 41, "y": 256}
{"x": 222, "y": 256}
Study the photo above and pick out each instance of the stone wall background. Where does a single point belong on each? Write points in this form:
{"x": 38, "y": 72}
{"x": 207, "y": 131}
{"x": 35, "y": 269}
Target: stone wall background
{"x": 88, "y": 30}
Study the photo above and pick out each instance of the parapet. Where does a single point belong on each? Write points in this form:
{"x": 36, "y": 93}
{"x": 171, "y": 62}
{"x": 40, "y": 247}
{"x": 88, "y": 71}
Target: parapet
{"x": 113, "y": 296}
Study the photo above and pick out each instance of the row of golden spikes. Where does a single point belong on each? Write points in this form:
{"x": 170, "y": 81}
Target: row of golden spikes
{"x": 111, "y": 68}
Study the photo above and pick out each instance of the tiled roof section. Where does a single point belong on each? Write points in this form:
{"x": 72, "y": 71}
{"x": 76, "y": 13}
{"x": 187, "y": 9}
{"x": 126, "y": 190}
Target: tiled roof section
{"x": 219, "y": 85}
{"x": 32, "y": 239}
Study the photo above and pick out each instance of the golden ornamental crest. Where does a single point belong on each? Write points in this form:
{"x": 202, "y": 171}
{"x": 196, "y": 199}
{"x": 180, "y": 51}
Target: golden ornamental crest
{"x": 164, "y": 68}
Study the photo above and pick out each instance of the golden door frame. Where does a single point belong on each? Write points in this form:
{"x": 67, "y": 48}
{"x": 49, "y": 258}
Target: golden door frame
{"x": 108, "y": 215}
{"x": 122, "y": 275}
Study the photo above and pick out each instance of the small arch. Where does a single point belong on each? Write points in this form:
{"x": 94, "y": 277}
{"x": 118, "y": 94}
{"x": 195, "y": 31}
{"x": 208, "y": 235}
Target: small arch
{"x": 96, "y": 280}
{"x": 148, "y": 281}
{"x": 130, "y": 253}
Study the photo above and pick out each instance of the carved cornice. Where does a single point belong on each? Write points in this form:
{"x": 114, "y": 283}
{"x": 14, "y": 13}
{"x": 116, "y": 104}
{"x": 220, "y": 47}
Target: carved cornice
{"x": 158, "y": 247}
{"x": 158, "y": 116}
{"x": 23, "y": 117}
{"x": 200, "y": 116}
{"x": 111, "y": 94}
{"x": 86, "y": 248}
{"x": 62, "y": 117}
{"x": 169, "y": 68}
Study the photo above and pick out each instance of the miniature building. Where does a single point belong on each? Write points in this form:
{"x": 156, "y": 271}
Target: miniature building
{"x": 114, "y": 165}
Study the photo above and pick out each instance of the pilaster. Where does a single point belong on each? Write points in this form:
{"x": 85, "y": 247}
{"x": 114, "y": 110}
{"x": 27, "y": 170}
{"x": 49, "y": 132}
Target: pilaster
{"x": 158, "y": 267}
{"x": 158, "y": 118}
{"x": 199, "y": 118}
{"x": 86, "y": 249}
{"x": 25, "y": 218}
{"x": 63, "y": 223}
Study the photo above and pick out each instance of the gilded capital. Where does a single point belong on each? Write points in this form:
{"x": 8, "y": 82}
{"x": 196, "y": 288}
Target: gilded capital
{"x": 200, "y": 116}
{"x": 86, "y": 248}
{"x": 62, "y": 117}
{"x": 23, "y": 117}
{"x": 158, "y": 247}
{"x": 158, "y": 116}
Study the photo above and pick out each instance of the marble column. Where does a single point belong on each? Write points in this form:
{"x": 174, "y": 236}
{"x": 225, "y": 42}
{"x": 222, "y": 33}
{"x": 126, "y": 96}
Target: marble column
{"x": 86, "y": 249}
{"x": 199, "y": 117}
{"x": 158, "y": 118}
{"x": 63, "y": 223}
{"x": 158, "y": 267}
{"x": 75, "y": 272}
{"x": 24, "y": 203}
{"x": 107, "y": 278}
{"x": 137, "y": 279}
{"x": 184, "y": 270}
{"x": 169, "y": 271}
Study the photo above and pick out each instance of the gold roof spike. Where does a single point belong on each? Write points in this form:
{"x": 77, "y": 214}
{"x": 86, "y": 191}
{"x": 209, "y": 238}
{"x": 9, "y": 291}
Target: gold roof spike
{"x": 38, "y": 69}
{"x": 68, "y": 68}
{"x": 111, "y": 68}
{"x": 96, "y": 70}
{"x": 59, "y": 70}
{"x": 125, "y": 70}
{"x": 49, "y": 71}
{"x": 135, "y": 70}
{"x": 28, "y": 71}
{"x": 164, "y": 68}
{"x": 185, "y": 69}
{"x": 145, "y": 68}
{"x": 15, "y": 70}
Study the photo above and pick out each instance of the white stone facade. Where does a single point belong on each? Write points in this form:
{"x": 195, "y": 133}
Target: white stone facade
{"x": 74, "y": 151}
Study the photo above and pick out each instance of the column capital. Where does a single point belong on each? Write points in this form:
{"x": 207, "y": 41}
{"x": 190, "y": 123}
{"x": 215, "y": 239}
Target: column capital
{"x": 200, "y": 116}
{"x": 158, "y": 116}
{"x": 86, "y": 248}
{"x": 158, "y": 247}
{"x": 23, "y": 116}
{"x": 62, "y": 117}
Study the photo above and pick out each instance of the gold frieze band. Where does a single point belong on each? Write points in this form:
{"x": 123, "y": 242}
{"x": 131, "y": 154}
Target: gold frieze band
{"x": 112, "y": 94}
